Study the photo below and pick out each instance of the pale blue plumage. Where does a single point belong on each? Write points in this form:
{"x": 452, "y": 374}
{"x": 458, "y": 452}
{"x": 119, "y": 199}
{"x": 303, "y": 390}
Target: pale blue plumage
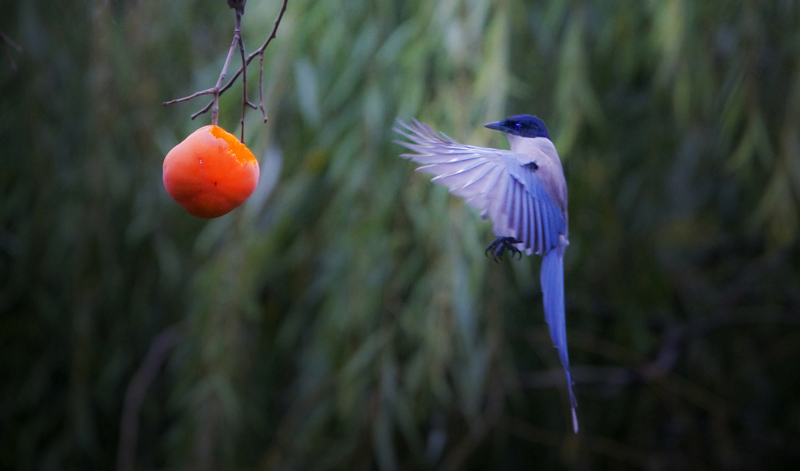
{"x": 530, "y": 210}
{"x": 521, "y": 190}
{"x": 552, "y": 280}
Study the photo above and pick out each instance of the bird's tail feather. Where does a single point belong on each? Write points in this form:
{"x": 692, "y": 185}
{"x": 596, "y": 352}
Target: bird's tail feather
{"x": 552, "y": 279}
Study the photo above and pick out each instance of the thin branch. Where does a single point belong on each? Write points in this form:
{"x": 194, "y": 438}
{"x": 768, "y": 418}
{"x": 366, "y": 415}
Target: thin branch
{"x": 261, "y": 87}
{"x": 260, "y": 53}
{"x": 209, "y": 91}
{"x": 134, "y": 395}
{"x": 219, "y": 89}
{"x": 215, "y": 90}
{"x": 237, "y": 34}
{"x": 236, "y": 37}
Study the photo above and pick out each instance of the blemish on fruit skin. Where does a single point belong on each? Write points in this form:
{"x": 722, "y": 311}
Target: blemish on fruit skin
{"x": 186, "y": 174}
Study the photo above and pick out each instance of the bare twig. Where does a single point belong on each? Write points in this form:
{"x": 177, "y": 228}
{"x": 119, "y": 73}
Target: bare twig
{"x": 217, "y": 90}
{"x": 260, "y": 53}
{"x": 261, "y": 87}
{"x": 134, "y": 395}
{"x": 245, "y": 101}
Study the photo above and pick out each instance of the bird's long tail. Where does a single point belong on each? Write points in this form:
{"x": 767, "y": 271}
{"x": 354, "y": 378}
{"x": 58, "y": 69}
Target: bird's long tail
{"x": 552, "y": 279}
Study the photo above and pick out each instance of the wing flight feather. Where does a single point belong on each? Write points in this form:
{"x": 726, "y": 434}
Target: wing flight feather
{"x": 491, "y": 180}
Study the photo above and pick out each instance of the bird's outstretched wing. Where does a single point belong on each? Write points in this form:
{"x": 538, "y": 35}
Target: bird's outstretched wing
{"x": 493, "y": 181}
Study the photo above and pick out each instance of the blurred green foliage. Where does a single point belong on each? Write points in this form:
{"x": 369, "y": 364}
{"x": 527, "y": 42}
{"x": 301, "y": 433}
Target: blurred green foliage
{"x": 346, "y": 317}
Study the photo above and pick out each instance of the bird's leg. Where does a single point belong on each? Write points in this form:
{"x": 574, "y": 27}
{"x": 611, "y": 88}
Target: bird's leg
{"x": 500, "y": 245}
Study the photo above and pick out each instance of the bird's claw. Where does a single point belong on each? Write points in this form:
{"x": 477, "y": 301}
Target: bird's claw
{"x": 500, "y": 245}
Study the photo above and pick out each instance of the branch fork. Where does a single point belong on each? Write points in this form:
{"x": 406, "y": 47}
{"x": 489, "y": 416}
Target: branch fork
{"x": 218, "y": 89}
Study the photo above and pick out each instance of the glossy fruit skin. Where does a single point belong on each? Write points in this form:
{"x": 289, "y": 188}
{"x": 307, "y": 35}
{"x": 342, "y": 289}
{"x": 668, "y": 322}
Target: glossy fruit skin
{"x": 210, "y": 173}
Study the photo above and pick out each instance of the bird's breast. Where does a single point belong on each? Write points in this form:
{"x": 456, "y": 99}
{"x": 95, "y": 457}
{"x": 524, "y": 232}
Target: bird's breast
{"x": 539, "y": 155}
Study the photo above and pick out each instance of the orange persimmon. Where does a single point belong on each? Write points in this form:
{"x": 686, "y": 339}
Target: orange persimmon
{"x": 210, "y": 173}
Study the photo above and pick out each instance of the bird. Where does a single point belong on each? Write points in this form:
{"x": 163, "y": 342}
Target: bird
{"x": 522, "y": 191}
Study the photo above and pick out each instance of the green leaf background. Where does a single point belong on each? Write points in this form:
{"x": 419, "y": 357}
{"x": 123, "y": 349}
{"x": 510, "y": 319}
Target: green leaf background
{"x": 345, "y": 318}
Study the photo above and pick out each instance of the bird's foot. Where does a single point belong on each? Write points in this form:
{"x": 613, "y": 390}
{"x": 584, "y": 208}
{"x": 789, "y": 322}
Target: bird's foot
{"x": 500, "y": 245}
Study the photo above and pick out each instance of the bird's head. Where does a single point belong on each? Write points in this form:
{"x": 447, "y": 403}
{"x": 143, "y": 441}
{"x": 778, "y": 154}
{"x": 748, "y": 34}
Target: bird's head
{"x": 523, "y": 125}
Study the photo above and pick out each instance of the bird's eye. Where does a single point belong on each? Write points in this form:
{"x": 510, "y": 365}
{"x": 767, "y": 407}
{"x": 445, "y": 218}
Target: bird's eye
{"x": 517, "y": 126}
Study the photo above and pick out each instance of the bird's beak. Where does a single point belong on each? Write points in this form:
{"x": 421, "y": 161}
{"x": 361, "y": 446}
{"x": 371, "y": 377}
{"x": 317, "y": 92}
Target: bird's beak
{"x": 498, "y": 126}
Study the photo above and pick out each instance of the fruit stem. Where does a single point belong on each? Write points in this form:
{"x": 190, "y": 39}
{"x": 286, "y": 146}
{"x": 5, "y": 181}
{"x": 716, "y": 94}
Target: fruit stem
{"x": 237, "y": 36}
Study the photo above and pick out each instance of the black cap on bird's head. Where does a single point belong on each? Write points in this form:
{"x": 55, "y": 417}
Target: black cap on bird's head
{"x": 523, "y": 125}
